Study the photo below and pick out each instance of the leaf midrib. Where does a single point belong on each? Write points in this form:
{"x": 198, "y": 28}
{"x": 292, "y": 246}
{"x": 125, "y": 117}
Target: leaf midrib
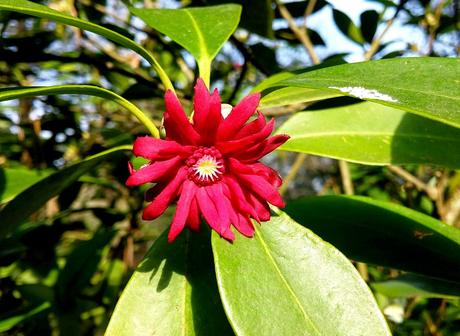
{"x": 374, "y": 134}
{"x": 203, "y": 49}
{"x": 308, "y": 320}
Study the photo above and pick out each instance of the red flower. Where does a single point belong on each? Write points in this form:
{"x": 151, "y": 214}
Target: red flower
{"x": 211, "y": 166}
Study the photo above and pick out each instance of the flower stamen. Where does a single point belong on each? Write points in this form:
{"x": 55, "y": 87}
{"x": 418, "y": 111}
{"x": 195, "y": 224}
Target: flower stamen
{"x": 205, "y": 166}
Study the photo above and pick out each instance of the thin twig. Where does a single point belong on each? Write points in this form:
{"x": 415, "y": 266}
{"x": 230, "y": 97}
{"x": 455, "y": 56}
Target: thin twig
{"x": 300, "y": 33}
{"x": 430, "y": 191}
{"x": 298, "y": 163}
{"x": 346, "y": 177}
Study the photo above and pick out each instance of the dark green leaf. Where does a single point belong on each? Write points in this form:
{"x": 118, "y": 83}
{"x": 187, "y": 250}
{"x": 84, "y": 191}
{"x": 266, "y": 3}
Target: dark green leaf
{"x": 287, "y": 281}
{"x": 382, "y": 233}
{"x": 426, "y": 86}
{"x": 202, "y": 31}
{"x": 172, "y": 292}
{"x": 298, "y": 8}
{"x": 9, "y": 323}
{"x": 409, "y": 285}
{"x": 80, "y": 266}
{"x": 347, "y": 27}
{"x": 34, "y": 197}
{"x": 370, "y": 133}
{"x": 369, "y": 22}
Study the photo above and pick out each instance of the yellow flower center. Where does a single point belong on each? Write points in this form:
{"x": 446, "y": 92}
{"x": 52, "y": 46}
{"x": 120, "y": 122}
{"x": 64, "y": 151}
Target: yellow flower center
{"x": 207, "y": 168}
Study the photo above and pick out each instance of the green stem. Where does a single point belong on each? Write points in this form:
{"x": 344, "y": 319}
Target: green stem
{"x": 19, "y": 92}
{"x": 204, "y": 66}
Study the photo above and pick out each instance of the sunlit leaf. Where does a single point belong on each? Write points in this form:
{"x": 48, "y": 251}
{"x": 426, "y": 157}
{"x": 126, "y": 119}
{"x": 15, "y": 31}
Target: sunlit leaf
{"x": 15, "y": 180}
{"x": 202, "y": 31}
{"x": 382, "y": 233}
{"x": 372, "y": 134}
{"x": 172, "y": 292}
{"x": 287, "y": 281}
{"x": 425, "y": 86}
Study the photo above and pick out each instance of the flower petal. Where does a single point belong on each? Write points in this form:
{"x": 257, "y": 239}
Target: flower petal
{"x": 152, "y": 172}
{"x": 176, "y": 123}
{"x": 194, "y": 220}
{"x": 238, "y": 197}
{"x": 260, "y": 150}
{"x": 209, "y": 210}
{"x": 244, "y": 226}
{"x": 182, "y": 210}
{"x": 200, "y": 106}
{"x": 155, "y": 149}
{"x": 261, "y": 206}
{"x": 239, "y": 115}
{"x": 233, "y": 146}
{"x": 161, "y": 202}
{"x": 213, "y": 120}
{"x": 253, "y": 127}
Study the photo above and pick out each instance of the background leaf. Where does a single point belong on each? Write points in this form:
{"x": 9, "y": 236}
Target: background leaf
{"x": 370, "y": 133}
{"x": 15, "y": 180}
{"x": 202, "y": 31}
{"x": 369, "y": 23}
{"x": 277, "y": 282}
{"x": 35, "y": 9}
{"x": 347, "y": 27}
{"x": 425, "y": 86}
{"x": 410, "y": 285}
{"x": 172, "y": 292}
{"x": 382, "y": 233}
{"x": 34, "y": 197}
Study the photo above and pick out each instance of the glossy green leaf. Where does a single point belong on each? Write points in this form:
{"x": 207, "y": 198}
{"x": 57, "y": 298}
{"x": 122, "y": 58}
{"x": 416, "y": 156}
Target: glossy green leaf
{"x": 409, "y": 285}
{"x": 347, "y": 26}
{"x": 35, "y": 9}
{"x": 426, "y": 86}
{"x": 34, "y": 197}
{"x": 382, "y": 233}
{"x": 14, "y": 180}
{"x": 202, "y": 31}
{"x": 287, "y": 281}
{"x": 372, "y": 134}
{"x": 10, "y": 93}
{"x": 294, "y": 95}
{"x": 172, "y": 292}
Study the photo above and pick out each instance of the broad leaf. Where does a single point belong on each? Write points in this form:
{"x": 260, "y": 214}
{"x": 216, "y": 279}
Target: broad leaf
{"x": 34, "y": 9}
{"x": 370, "y": 133}
{"x": 382, "y": 233}
{"x": 202, "y": 31}
{"x": 294, "y": 95}
{"x": 347, "y": 27}
{"x": 409, "y": 285}
{"x": 172, "y": 292}
{"x": 15, "y": 180}
{"x": 369, "y": 23}
{"x": 425, "y": 86}
{"x": 10, "y": 93}
{"x": 34, "y": 197}
{"x": 287, "y": 281}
